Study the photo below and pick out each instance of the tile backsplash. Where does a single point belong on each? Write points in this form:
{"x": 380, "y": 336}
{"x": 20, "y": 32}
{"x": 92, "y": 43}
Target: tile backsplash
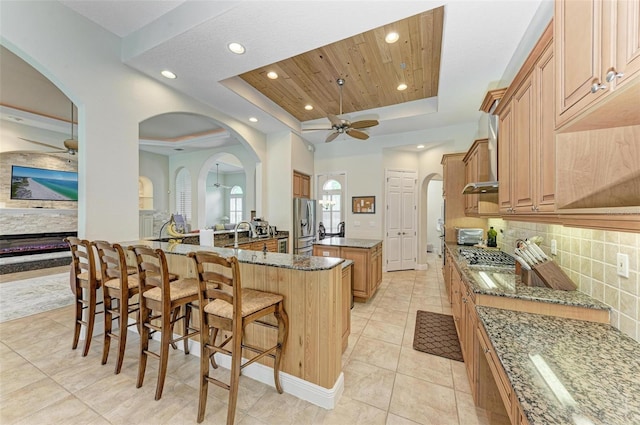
{"x": 589, "y": 258}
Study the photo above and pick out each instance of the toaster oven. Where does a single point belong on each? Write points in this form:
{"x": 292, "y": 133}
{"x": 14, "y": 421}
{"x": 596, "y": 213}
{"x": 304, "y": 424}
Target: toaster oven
{"x": 469, "y": 236}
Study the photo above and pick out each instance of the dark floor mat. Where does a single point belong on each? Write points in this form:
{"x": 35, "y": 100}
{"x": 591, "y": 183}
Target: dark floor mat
{"x": 436, "y": 334}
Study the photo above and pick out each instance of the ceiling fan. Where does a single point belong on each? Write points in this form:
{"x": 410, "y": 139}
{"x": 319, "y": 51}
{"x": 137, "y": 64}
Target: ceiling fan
{"x": 217, "y": 184}
{"x": 342, "y": 126}
{"x": 71, "y": 144}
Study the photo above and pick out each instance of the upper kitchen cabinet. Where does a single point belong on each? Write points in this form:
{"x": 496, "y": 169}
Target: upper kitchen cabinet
{"x": 301, "y": 185}
{"x": 526, "y": 139}
{"x": 597, "y": 45}
{"x": 477, "y": 164}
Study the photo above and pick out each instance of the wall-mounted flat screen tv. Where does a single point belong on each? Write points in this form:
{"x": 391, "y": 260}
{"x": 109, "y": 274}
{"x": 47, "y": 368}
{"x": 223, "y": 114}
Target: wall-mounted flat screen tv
{"x": 39, "y": 184}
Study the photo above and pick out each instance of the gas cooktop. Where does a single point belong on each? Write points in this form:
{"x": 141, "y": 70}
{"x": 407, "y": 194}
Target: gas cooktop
{"x": 482, "y": 257}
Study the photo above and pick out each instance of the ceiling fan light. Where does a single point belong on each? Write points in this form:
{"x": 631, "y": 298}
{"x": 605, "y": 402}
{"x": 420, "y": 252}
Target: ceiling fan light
{"x": 253, "y": 119}
{"x": 401, "y": 87}
{"x": 308, "y": 107}
{"x": 236, "y": 48}
{"x": 272, "y": 75}
{"x": 420, "y": 146}
{"x": 168, "y": 74}
{"x": 392, "y": 37}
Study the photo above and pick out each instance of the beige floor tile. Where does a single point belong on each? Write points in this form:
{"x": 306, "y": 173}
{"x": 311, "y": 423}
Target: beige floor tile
{"x": 425, "y": 366}
{"x": 369, "y": 384}
{"x": 384, "y": 332}
{"x": 358, "y": 323}
{"x": 69, "y": 411}
{"x": 460, "y": 378}
{"x": 468, "y": 412}
{"x": 398, "y": 420}
{"x": 393, "y": 317}
{"x": 26, "y": 400}
{"x": 349, "y": 411}
{"x": 423, "y": 402}
{"x": 283, "y": 409}
{"x": 376, "y": 352}
{"x": 16, "y": 373}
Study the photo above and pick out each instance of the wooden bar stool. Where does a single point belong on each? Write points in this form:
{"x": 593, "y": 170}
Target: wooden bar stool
{"x": 224, "y": 305}
{"x": 160, "y": 301}
{"x": 119, "y": 285}
{"x": 84, "y": 285}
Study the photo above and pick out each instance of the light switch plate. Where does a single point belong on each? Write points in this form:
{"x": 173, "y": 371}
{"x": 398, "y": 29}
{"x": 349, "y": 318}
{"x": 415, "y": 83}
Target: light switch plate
{"x": 554, "y": 247}
{"x": 622, "y": 262}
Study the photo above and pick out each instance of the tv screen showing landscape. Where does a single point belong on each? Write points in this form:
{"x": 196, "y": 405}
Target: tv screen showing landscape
{"x": 33, "y": 184}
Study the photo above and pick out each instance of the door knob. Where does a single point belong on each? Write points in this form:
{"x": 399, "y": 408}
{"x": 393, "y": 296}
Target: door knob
{"x": 597, "y": 86}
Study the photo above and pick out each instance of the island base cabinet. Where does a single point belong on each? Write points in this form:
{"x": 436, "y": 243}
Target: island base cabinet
{"x": 346, "y": 305}
{"x": 366, "y": 270}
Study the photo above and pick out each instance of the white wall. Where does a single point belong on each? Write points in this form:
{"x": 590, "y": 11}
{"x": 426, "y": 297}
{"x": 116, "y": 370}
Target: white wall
{"x": 434, "y": 212}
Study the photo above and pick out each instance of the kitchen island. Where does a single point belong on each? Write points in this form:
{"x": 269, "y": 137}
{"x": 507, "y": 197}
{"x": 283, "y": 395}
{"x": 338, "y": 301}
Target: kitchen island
{"x": 366, "y": 255}
{"x": 313, "y": 299}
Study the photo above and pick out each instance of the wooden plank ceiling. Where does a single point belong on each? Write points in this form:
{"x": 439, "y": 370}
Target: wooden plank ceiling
{"x": 372, "y": 70}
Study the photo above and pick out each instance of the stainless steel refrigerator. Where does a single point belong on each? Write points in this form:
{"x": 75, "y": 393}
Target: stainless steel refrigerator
{"x": 304, "y": 225}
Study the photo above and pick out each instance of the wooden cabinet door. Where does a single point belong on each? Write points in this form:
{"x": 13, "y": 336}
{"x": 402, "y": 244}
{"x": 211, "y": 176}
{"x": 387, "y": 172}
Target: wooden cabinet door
{"x": 578, "y": 34}
{"x": 301, "y": 185}
{"x": 545, "y": 154}
{"x": 524, "y": 137}
{"x": 361, "y": 267}
{"x": 505, "y": 136}
{"x": 627, "y": 40}
{"x": 306, "y": 186}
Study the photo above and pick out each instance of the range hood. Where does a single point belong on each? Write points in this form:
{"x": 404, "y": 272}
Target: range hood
{"x": 489, "y": 106}
{"x": 480, "y": 187}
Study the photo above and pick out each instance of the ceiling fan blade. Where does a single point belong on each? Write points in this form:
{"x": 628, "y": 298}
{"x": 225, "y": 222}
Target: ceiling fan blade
{"x": 357, "y": 134}
{"x": 332, "y": 137}
{"x": 364, "y": 124}
{"x": 317, "y": 129}
{"x": 335, "y": 121}
{"x": 71, "y": 144}
{"x": 43, "y": 144}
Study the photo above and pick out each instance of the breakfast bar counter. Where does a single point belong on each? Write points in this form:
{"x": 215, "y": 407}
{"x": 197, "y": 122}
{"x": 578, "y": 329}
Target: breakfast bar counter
{"x": 313, "y": 299}
{"x": 565, "y": 371}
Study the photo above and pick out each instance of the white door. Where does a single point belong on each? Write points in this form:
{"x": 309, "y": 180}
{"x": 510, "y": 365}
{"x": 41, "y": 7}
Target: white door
{"x": 401, "y": 234}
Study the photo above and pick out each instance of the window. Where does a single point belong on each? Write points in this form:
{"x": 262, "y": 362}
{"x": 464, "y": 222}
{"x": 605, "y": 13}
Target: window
{"x": 331, "y": 204}
{"x": 183, "y": 193}
{"x": 235, "y": 207}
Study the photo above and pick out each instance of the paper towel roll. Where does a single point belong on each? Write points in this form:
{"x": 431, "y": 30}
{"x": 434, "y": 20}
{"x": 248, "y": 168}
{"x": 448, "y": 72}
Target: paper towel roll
{"x": 206, "y": 237}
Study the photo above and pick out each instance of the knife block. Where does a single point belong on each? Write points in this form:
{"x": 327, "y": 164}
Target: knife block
{"x": 528, "y": 277}
{"x": 553, "y": 277}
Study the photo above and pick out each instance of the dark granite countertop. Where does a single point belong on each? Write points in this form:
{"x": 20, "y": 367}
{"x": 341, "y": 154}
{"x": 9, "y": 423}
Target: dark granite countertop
{"x": 597, "y": 366}
{"x": 349, "y": 242}
{"x": 503, "y": 282}
{"x": 288, "y": 261}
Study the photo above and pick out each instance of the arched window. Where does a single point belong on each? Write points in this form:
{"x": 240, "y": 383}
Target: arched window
{"x": 235, "y": 204}
{"x": 183, "y": 194}
{"x": 331, "y": 204}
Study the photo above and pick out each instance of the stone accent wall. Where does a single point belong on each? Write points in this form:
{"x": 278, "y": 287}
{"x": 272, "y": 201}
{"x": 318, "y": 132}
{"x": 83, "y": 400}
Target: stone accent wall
{"x": 17, "y": 221}
{"x": 37, "y": 160}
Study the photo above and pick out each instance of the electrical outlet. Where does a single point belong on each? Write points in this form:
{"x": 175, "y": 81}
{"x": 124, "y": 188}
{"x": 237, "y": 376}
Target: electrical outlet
{"x": 622, "y": 262}
{"x": 554, "y": 247}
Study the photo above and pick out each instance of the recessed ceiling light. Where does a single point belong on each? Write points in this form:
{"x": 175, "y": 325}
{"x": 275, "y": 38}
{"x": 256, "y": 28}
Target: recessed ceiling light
{"x": 168, "y": 74}
{"x": 401, "y": 87}
{"x": 272, "y": 75}
{"x": 253, "y": 119}
{"x": 420, "y": 146}
{"x": 236, "y": 48}
{"x": 392, "y": 37}
{"x": 308, "y": 107}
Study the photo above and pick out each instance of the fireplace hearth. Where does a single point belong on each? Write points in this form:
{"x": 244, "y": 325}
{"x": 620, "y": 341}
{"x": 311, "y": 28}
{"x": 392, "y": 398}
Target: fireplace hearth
{"x": 33, "y": 243}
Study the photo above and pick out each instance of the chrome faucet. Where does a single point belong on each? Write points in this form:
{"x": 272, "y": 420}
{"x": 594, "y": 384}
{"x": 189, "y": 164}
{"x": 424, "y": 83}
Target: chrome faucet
{"x": 235, "y": 239}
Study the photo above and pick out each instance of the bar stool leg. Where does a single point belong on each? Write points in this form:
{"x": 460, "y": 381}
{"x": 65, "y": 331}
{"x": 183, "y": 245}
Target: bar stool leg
{"x": 90, "y": 321}
{"x": 78, "y": 325}
{"x": 123, "y": 323}
{"x": 236, "y": 359}
{"x": 283, "y": 333}
{"x": 108, "y": 325}
{"x": 165, "y": 340}
{"x": 144, "y": 345}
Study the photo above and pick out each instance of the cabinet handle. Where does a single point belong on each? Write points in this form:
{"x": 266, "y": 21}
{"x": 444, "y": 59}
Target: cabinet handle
{"x": 487, "y": 351}
{"x": 597, "y": 86}
{"x": 612, "y": 75}
{"x": 533, "y": 207}
{"x": 399, "y": 233}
